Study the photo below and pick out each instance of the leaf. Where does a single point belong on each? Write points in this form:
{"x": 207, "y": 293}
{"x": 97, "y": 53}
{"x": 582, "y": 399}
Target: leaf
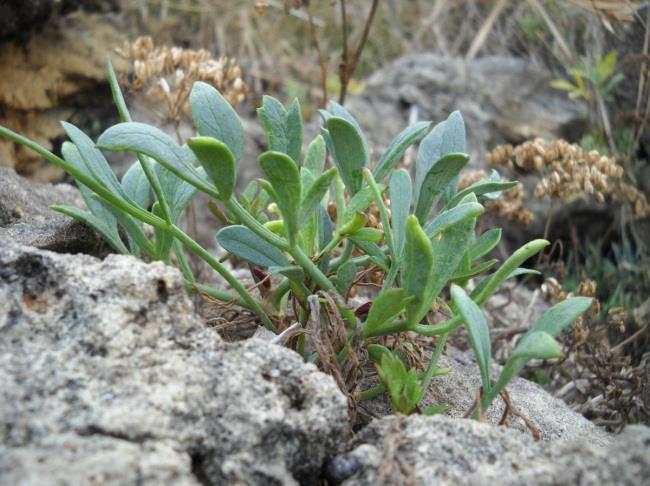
{"x": 473, "y": 271}
{"x": 386, "y": 307}
{"x": 283, "y": 174}
{"x": 555, "y": 319}
{"x": 485, "y": 243}
{"x": 368, "y": 234}
{"x": 136, "y": 185}
{"x": 480, "y": 188}
{"x": 376, "y": 351}
{"x": 435, "y": 409}
{"x": 339, "y": 111}
{"x": 218, "y": 162}
{"x": 450, "y": 217}
{"x": 241, "y": 241}
{"x": 177, "y": 191}
{"x": 150, "y": 141}
{"x": 483, "y": 292}
{"x": 283, "y": 128}
{"x": 449, "y": 248}
{"x": 108, "y": 233}
{"x": 477, "y": 330}
{"x": 360, "y": 202}
{"x": 349, "y": 152}
{"x": 400, "y": 193}
{"x": 562, "y": 84}
{"x": 539, "y": 345}
{"x": 398, "y": 147}
{"x": 95, "y": 162}
{"x": 315, "y": 156}
{"x": 376, "y": 254}
{"x": 345, "y": 276}
{"x": 445, "y": 138}
{"x": 440, "y": 175}
{"x": 317, "y": 190}
{"x": 214, "y": 117}
{"x": 416, "y": 270}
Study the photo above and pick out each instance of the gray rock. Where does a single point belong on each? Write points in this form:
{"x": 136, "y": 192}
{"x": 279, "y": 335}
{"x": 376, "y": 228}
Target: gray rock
{"x": 502, "y": 99}
{"x": 419, "y": 450}
{"x": 107, "y": 375}
{"x": 25, "y": 216}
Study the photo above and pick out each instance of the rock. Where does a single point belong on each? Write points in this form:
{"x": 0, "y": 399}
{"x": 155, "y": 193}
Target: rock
{"x": 502, "y": 99}
{"x": 108, "y": 376}
{"x": 458, "y": 390}
{"x": 25, "y": 216}
{"x": 424, "y": 450}
{"x": 55, "y": 76}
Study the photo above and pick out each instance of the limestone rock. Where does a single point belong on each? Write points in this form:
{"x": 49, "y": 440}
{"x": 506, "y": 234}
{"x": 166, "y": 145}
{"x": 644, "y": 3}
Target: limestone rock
{"x": 501, "y": 99}
{"x": 25, "y": 216}
{"x": 107, "y": 375}
{"x": 421, "y": 450}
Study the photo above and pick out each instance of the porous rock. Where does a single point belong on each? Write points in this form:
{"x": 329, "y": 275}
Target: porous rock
{"x": 420, "y": 450}
{"x": 108, "y": 376}
{"x": 25, "y": 216}
{"x": 502, "y": 99}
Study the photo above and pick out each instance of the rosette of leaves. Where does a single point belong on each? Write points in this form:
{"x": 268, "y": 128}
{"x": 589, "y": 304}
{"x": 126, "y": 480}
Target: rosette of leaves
{"x": 280, "y": 225}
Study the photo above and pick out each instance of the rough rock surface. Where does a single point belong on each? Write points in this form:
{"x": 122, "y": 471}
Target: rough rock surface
{"x": 502, "y": 99}
{"x": 458, "y": 390}
{"x": 419, "y": 450}
{"x": 108, "y": 376}
{"x": 25, "y": 216}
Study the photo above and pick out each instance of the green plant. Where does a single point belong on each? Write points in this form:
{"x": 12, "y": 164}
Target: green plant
{"x": 591, "y": 79}
{"x": 315, "y": 259}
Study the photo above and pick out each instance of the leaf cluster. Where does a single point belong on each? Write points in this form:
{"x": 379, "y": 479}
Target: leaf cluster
{"x": 280, "y": 225}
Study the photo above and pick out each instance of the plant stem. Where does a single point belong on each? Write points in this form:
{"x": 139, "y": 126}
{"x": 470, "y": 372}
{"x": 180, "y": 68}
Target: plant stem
{"x": 305, "y": 262}
{"x": 86, "y": 180}
{"x": 125, "y": 116}
{"x": 219, "y": 294}
{"x": 254, "y": 225}
{"x": 198, "y": 250}
{"x": 435, "y": 357}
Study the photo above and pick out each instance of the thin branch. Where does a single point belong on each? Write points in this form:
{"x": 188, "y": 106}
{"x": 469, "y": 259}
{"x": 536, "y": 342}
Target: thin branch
{"x": 321, "y": 59}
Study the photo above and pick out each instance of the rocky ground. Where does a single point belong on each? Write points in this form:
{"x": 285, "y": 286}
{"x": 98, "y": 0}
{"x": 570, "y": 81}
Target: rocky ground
{"x": 109, "y": 376}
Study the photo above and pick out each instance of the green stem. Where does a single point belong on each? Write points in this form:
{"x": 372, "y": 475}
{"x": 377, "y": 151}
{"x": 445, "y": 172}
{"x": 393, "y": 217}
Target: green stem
{"x": 344, "y": 257}
{"x": 382, "y": 211}
{"x": 372, "y": 392}
{"x": 86, "y": 180}
{"x": 305, "y": 262}
{"x": 182, "y": 262}
{"x": 221, "y": 270}
{"x": 433, "y": 364}
{"x": 125, "y": 116}
{"x": 254, "y": 225}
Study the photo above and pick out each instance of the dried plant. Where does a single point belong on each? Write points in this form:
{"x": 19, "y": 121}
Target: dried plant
{"x": 569, "y": 171}
{"x": 509, "y": 205}
{"x": 166, "y": 75}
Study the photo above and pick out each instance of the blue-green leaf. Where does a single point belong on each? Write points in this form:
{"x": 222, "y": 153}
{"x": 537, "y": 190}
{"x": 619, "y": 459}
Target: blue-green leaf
{"x": 398, "y": 147}
{"x": 440, "y": 175}
{"x": 400, "y": 193}
{"x": 284, "y": 176}
{"x": 345, "y": 276}
{"x": 485, "y": 243}
{"x": 386, "y": 307}
{"x": 108, "y": 232}
{"x": 450, "y": 217}
{"x": 218, "y": 162}
{"x": 95, "y": 161}
{"x": 148, "y": 140}
{"x": 241, "y": 241}
{"x": 314, "y": 195}
{"x": 417, "y": 270}
{"x": 283, "y": 128}
{"x": 315, "y": 156}
{"x": 481, "y": 188}
{"x": 214, "y": 117}
{"x": 349, "y": 152}
{"x": 477, "y": 330}
{"x": 136, "y": 185}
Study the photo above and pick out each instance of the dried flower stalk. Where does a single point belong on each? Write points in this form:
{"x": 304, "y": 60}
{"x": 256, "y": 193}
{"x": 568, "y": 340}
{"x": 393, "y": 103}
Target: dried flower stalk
{"x": 166, "y": 74}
